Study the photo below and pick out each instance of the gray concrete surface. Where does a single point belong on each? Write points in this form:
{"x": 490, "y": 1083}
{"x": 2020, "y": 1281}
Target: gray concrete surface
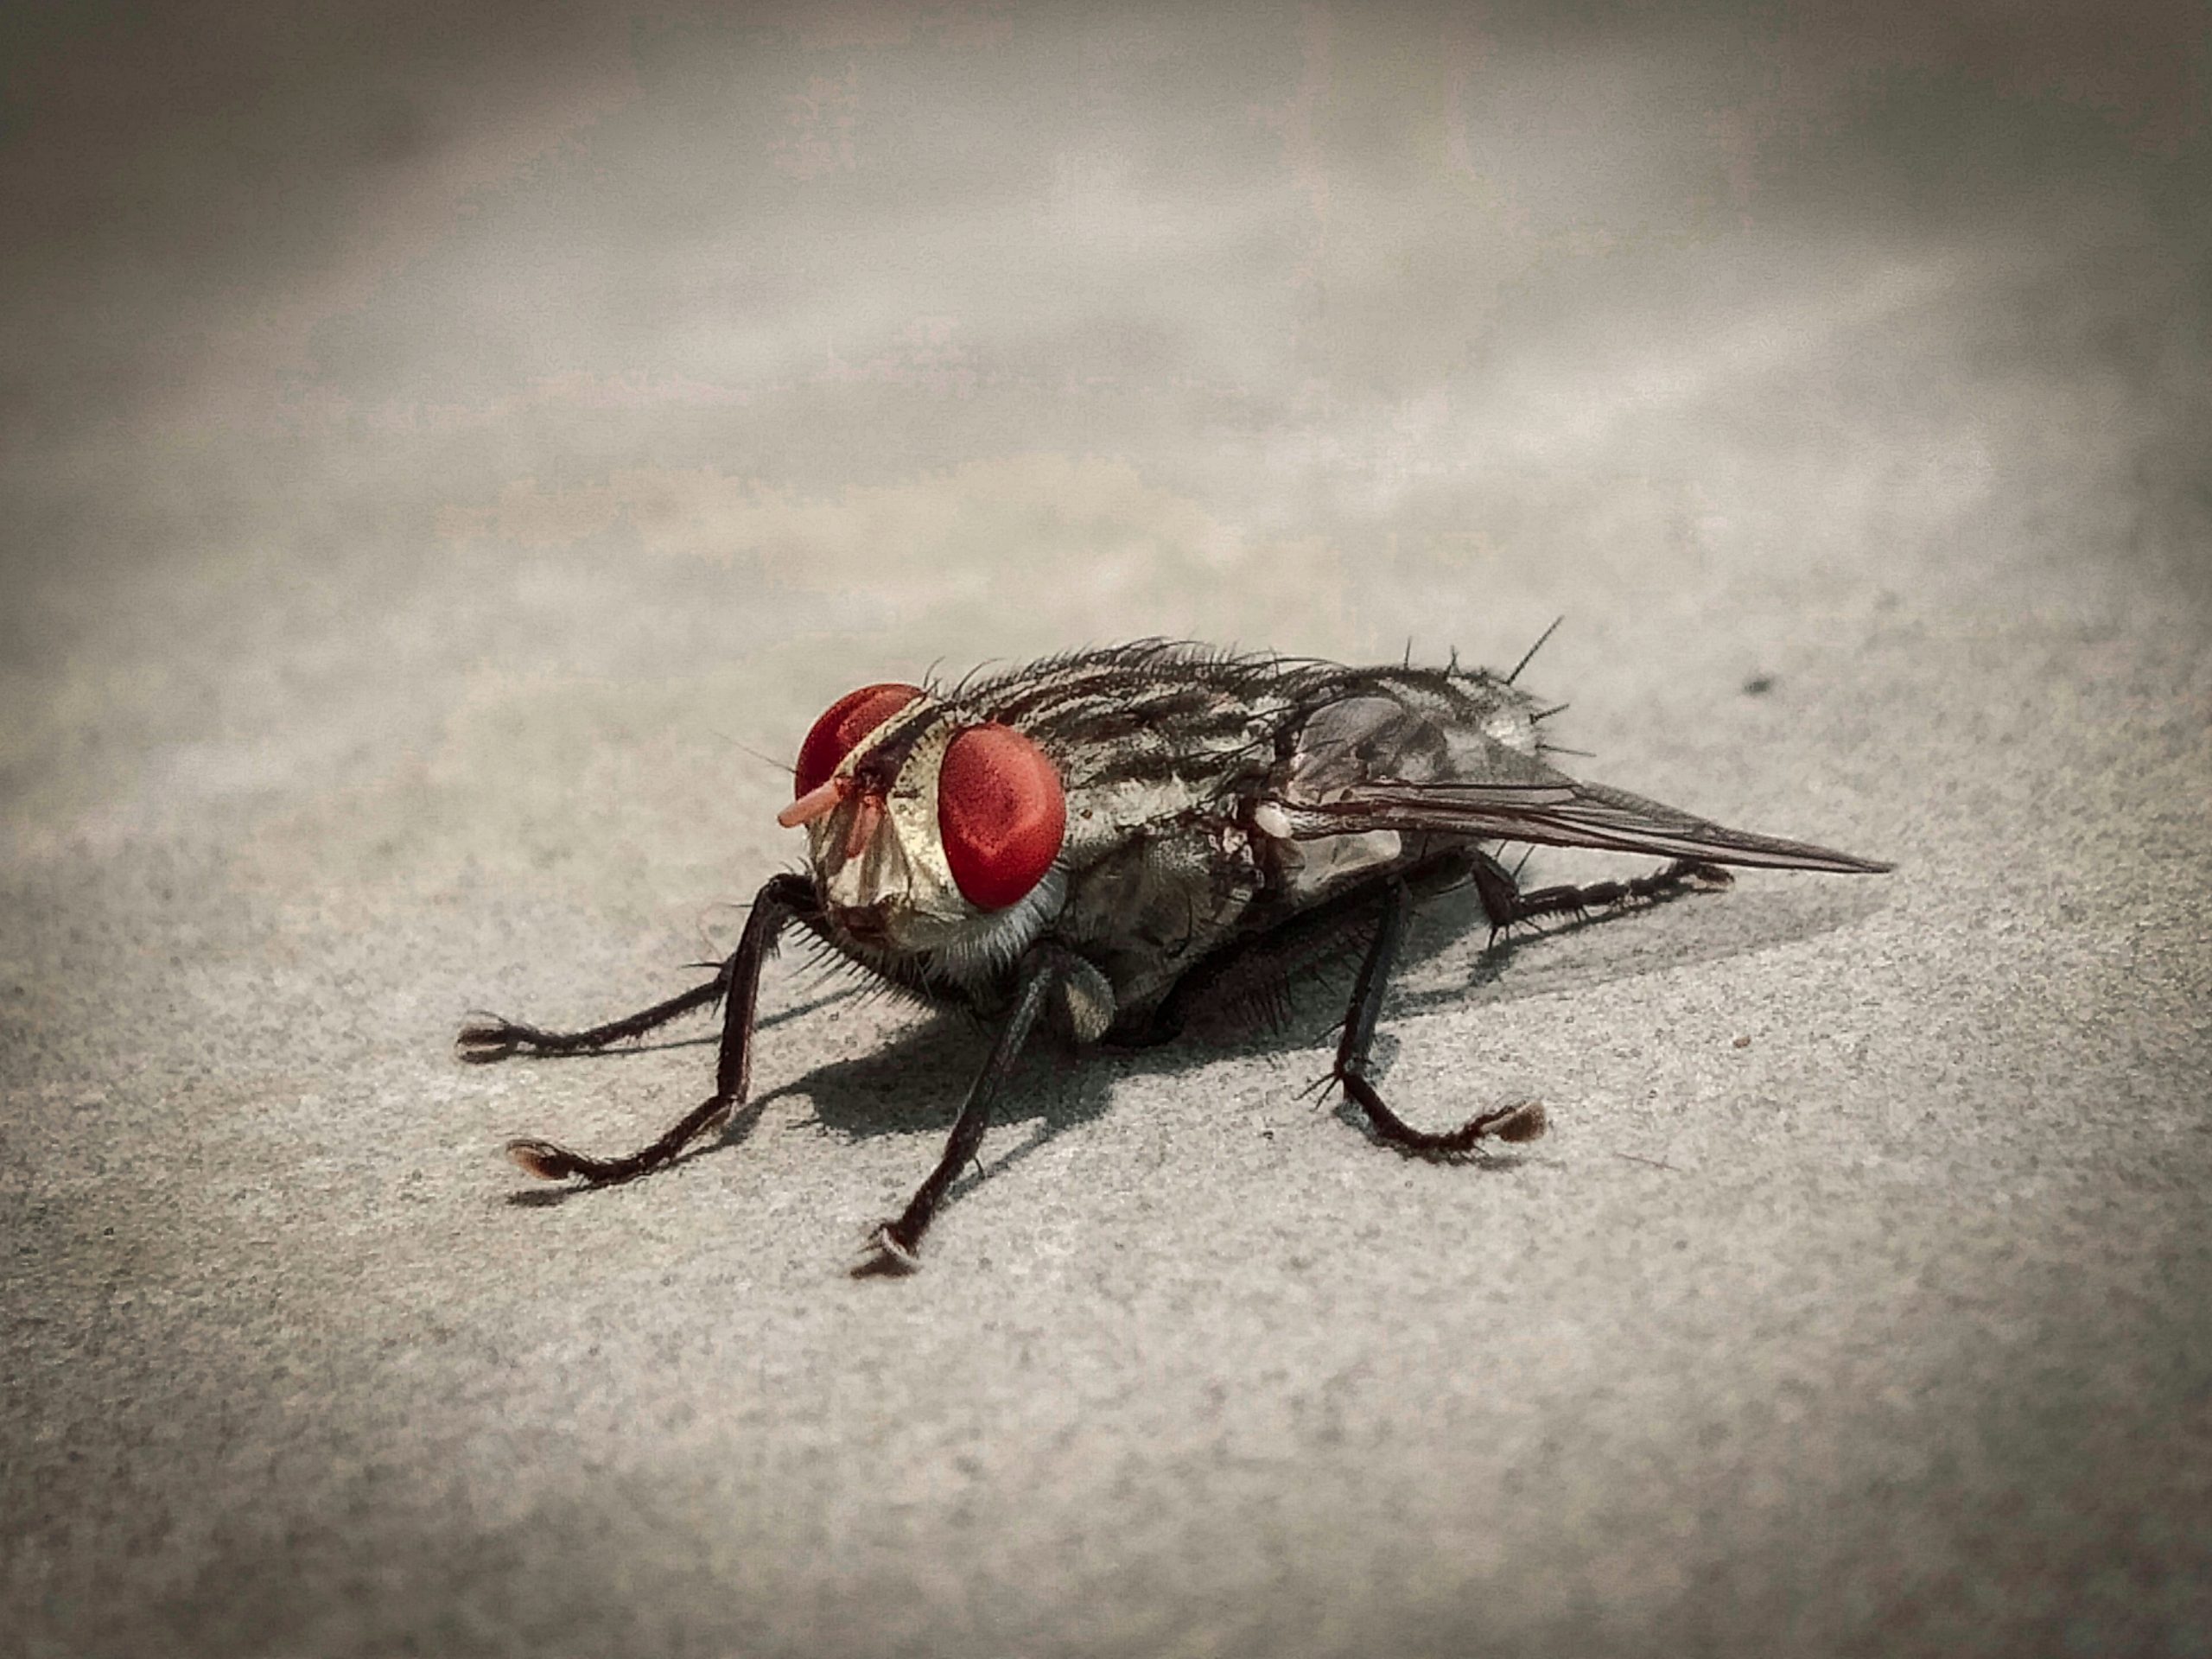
{"x": 450, "y": 458}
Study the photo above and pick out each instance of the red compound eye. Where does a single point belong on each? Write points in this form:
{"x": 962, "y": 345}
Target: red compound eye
{"x": 848, "y": 720}
{"x": 1000, "y": 813}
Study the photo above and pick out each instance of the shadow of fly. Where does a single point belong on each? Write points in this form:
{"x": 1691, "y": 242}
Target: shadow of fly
{"x": 1106, "y": 839}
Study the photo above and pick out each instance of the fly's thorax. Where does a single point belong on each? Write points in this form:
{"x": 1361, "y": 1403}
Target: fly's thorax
{"x": 1107, "y": 813}
{"x": 1511, "y": 719}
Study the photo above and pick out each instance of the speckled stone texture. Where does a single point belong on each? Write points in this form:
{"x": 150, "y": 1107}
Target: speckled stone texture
{"x": 450, "y": 457}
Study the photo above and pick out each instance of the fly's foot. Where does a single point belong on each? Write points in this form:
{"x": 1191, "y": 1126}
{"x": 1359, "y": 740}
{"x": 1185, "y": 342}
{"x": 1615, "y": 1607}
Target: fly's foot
{"x": 549, "y": 1162}
{"x": 488, "y": 1038}
{"x": 1514, "y": 1125}
{"x": 890, "y": 1255}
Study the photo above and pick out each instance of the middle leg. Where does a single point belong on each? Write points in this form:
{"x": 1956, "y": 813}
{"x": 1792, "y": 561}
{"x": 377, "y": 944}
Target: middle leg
{"x": 896, "y": 1242}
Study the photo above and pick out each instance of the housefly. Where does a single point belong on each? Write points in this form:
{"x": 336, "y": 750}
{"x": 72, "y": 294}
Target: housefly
{"x": 1103, "y": 839}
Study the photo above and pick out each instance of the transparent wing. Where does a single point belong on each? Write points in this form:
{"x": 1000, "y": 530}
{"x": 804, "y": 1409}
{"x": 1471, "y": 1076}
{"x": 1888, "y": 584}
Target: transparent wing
{"x": 1371, "y": 763}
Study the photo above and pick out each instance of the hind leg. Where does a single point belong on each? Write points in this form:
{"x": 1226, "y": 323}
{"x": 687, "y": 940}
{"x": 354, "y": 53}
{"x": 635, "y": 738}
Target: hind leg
{"x": 1507, "y": 905}
{"x": 1522, "y": 1123}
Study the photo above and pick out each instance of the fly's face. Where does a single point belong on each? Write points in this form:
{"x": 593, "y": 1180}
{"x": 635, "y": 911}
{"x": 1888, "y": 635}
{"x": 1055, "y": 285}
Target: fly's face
{"x": 929, "y": 831}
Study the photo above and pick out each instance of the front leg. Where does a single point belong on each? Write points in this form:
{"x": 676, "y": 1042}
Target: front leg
{"x": 493, "y": 1037}
{"x": 782, "y": 900}
{"x": 1044, "y": 969}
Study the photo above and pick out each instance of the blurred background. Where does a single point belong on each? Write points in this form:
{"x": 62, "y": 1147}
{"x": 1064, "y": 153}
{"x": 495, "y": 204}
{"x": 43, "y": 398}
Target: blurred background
{"x": 449, "y": 455}
{"x": 978, "y": 329}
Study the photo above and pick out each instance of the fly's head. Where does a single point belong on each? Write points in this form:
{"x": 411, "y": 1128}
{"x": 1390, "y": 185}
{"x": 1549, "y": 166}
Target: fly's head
{"x": 931, "y": 831}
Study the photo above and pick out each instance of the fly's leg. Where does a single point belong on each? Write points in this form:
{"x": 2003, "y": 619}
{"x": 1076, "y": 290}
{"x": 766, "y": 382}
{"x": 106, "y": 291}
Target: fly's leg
{"x": 1258, "y": 970}
{"x": 1507, "y": 905}
{"x": 1522, "y": 1123}
{"x": 782, "y": 900}
{"x": 493, "y": 1038}
{"x": 897, "y": 1243}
